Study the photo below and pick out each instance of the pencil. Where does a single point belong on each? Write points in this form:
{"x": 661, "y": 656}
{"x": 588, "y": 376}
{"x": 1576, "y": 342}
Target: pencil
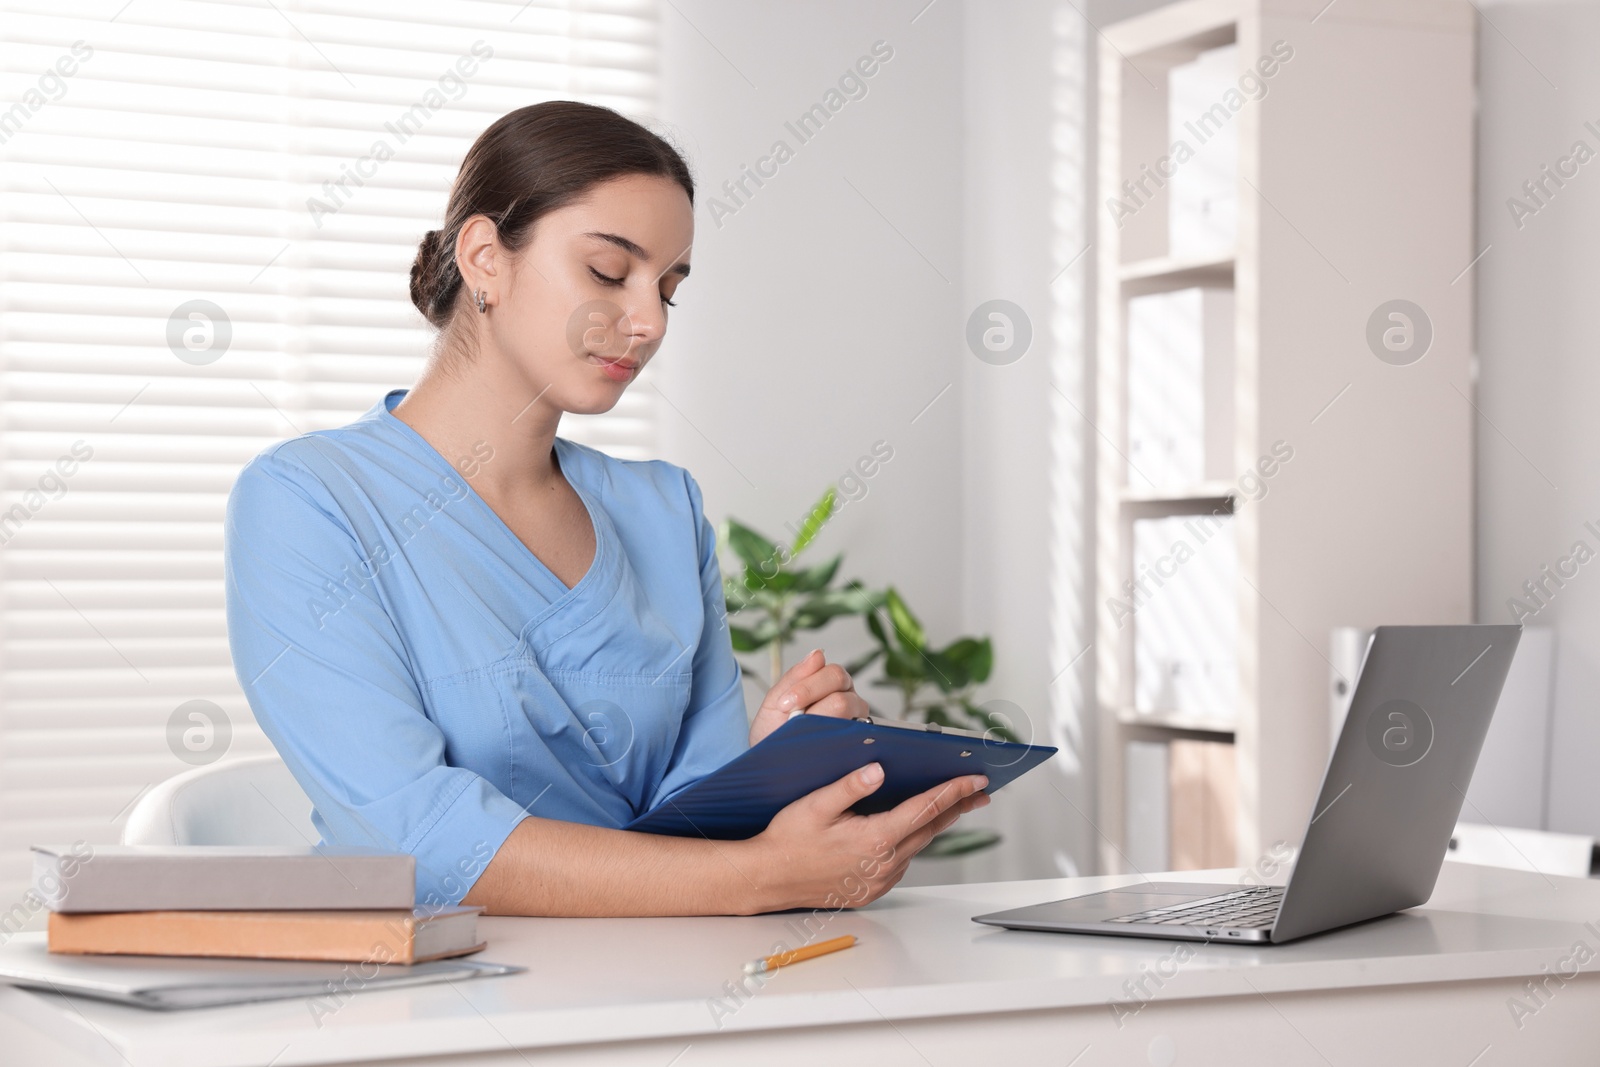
{"x": 783, "y": 959}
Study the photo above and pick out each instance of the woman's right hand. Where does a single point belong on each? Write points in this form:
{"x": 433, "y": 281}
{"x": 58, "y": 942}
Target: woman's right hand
{"x": 817, "y": 853}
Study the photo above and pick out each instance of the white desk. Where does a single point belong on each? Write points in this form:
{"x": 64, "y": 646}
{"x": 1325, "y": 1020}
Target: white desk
{"x": 925, "y": 986}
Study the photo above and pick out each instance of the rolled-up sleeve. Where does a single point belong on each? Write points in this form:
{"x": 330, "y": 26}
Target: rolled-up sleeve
{"x": 716, "y": 724}
{"x": 334, "y": 690}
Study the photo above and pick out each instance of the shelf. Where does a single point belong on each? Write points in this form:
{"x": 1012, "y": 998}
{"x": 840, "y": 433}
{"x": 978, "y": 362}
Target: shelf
{"x": 1180, "y": 495}
{"x": 1194, "y": 25}
{"x": 1297, "y": 557}
{"x": 1164, "y": 272}
{"x": 1171, "y": 720}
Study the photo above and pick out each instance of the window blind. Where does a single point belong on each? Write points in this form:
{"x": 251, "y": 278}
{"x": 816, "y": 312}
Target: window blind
{"x": 208, "y": 212}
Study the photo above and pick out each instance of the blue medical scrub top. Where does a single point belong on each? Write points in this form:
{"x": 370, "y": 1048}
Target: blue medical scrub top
{"x": 431, "y": 683}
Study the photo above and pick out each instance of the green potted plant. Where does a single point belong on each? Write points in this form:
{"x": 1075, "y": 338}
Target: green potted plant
{"x": 774, "y": 598}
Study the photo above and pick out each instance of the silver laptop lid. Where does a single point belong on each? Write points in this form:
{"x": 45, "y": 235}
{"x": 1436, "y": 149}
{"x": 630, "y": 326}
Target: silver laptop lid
{"x": 1395, "y": 785}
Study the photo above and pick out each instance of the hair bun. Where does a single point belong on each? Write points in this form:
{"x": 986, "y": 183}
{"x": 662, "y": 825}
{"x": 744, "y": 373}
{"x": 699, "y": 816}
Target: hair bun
{"x": 425, "y": 274}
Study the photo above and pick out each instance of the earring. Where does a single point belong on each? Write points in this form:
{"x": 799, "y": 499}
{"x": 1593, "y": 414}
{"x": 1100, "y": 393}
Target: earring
{"x": 478, "y": 295}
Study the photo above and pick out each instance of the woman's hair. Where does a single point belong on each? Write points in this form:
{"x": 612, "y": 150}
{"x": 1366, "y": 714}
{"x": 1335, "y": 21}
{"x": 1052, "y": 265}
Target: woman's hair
{"x": 528, "y": 163}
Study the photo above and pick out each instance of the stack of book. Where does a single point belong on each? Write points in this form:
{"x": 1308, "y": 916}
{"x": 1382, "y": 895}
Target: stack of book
{"x": 326, "y": 903}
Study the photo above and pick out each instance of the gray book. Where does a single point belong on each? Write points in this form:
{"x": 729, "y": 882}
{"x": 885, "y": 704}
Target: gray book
{"x": 167, "y": 984}
{"x": 220, "y": 877}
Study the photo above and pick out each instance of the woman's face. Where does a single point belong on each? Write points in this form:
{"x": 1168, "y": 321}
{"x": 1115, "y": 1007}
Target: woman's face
{"x": 584, "y": 305}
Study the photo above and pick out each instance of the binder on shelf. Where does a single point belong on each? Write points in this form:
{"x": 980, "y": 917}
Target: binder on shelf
{"x": 1146, "y": 804}
{"x": 1204, "y": 790}
{"x": 1180, "y": 388}
{"x": 1186, "y": 617}
{"x": 1203, "y": 209}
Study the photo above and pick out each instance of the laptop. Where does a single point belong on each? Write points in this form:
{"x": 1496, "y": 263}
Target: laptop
{"x": 1382, "y": 822}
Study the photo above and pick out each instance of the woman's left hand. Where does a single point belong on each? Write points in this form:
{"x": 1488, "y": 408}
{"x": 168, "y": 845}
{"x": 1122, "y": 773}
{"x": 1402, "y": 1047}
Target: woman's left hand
{"x": 813, "y": 686}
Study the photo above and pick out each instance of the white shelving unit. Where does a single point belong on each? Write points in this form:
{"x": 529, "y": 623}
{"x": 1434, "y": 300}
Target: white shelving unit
{"x": 1355, "y": 171}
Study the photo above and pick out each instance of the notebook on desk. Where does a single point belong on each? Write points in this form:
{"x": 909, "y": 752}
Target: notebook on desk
{"x": 807, "y": 752}
{"x": 168, "y": 983}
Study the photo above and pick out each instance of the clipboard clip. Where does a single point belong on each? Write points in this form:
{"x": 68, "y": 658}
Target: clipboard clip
{"x": 920, "y": 727}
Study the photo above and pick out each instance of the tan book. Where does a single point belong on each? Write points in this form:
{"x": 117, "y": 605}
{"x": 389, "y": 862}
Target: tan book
{"x": 352, "y": 936}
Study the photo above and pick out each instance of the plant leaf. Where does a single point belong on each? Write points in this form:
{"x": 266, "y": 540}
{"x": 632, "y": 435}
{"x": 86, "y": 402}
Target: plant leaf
{"x": 906, "y": 627}
{"x": 735, "y": 595}
{"x": 819, "y": 514}
{"x": 949, "y": 675}
{"x": 749, "y": 639}
{"x": 767, "y": 600}
{"x": 744, "y": 639}
{"x": 904, "y": 666}
{"x": 960, "y": 650}
{"x": 870, "y": 597}
{"x": 876, "y": 626}
{"x": 754, "y": 551}
{"x": 812, "y": 579}
{"x": 974, "y": 655}
{"x": 781, "y": 581}
{"x": 982, "y": 661}
{"x": 828, "y": 605}
{"x": 959, "y": 842}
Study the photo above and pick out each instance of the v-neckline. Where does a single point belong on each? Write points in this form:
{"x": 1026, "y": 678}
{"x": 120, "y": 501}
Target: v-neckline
{"x": 564, "y": 451}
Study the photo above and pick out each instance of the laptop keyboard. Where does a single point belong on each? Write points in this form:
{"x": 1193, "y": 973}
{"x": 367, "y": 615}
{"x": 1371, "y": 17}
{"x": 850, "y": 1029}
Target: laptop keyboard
{"x": 1241, "y": 909}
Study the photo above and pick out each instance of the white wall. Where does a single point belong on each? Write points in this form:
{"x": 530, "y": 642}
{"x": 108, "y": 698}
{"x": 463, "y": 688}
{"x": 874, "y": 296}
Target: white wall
{"x": 822, "y": 318}
{"x": 817, "y": 321}
{"x": 1028, "y": 522}
{"x": 1539, "y": 386}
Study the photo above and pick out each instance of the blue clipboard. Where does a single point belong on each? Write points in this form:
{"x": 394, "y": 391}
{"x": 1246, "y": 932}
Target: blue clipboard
{"x": 807, "y": 752}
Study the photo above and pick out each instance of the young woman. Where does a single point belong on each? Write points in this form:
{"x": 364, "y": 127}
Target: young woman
{"x": 489, "y": 646}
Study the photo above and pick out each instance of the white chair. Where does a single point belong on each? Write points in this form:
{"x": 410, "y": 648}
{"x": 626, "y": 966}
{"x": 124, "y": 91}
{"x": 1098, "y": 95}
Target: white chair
{"x": 248, "y": 801}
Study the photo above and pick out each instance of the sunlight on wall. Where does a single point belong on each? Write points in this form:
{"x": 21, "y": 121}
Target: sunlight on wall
{"x": 1071, "y": 485}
